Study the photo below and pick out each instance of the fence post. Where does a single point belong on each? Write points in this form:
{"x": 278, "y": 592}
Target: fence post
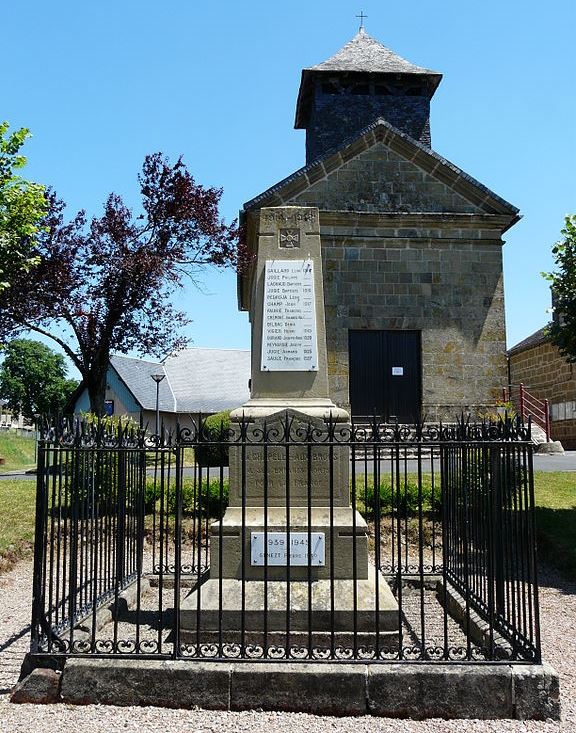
{"x": 497, "y": 534}
{"x": 178, "y": 550}
{"x": 39, "y": 549}
{"x": 121, "y": 518}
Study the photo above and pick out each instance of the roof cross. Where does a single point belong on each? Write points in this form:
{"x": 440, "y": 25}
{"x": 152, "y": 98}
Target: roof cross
{"x": 361, "y": 16}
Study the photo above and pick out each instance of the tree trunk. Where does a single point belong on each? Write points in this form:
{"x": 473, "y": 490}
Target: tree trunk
{"x": 95, "y": 382}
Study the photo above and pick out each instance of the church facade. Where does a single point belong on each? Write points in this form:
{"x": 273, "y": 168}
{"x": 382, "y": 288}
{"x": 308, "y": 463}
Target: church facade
{"x": 411, "y": 244}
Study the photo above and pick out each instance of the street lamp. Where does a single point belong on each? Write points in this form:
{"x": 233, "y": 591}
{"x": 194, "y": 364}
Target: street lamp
{"x": 36, "y": 418}
{"x": 158, "y": 378}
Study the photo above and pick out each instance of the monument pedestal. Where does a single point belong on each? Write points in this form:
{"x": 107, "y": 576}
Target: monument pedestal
{"x": 229, "y": 605}
{"x": 283, "y": 597}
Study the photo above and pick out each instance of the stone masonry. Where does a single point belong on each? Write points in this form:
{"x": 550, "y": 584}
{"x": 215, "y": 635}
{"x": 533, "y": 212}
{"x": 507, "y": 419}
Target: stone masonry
{"x": 539, "y": 366}
{"x": 410, "y": 242}
{"x": 449, "y": 288}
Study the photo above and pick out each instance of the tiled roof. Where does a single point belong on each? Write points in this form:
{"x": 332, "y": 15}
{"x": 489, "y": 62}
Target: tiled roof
{"x": 535, "y": 339}
{"x": 364, "y": 53}
{"x": 196, "y": 380}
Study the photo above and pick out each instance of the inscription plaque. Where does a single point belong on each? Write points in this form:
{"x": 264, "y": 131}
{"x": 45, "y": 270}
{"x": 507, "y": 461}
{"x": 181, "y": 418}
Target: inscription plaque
{"x": 278, "y": 548}
{"x": 289, "y": 339}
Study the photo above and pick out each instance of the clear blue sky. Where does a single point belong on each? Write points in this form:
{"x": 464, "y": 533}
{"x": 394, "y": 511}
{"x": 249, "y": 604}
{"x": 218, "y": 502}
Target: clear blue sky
{"x": 101, "y": 84}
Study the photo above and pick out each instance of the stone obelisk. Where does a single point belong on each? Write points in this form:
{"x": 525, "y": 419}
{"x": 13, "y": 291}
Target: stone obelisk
{"x": 292, "y": 490}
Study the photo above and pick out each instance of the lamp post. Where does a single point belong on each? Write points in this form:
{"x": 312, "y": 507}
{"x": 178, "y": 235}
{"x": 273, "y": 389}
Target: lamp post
{"x": 158, "y": 378}
{"x": 36, "y": 418}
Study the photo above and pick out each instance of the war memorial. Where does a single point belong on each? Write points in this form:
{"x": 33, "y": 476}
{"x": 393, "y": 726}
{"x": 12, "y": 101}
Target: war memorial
{"x": 358, "y": 539}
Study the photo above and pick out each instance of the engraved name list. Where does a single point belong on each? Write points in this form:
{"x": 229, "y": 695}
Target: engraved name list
{"x": 289, "y": 341}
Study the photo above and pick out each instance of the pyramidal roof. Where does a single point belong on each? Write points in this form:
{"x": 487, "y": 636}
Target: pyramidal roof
{"x": 364, "y": 53}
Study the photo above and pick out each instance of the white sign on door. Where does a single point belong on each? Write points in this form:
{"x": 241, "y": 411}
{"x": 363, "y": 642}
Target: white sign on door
{"x": 397, "y": 371}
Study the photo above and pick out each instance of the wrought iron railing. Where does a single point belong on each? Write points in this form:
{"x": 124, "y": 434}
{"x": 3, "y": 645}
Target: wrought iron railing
{"x": 319, "y": 541}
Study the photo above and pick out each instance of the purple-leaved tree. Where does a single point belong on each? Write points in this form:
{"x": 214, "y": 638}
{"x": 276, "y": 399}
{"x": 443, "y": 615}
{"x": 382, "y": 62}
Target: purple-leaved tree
{"x": 109, "y": 281}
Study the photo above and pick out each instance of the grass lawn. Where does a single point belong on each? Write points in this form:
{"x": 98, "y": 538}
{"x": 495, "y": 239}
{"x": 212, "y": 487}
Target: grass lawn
{"x": 555, "y": 496}
{"x": 17, "y": 506}
{"x": 555, "y": 499}
{"x": 17, "y": 450}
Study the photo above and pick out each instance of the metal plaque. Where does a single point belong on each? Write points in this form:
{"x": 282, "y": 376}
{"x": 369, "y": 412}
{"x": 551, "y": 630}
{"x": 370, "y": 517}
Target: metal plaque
{"x": 289, "y": 340}
{"x": 278, "y": 548}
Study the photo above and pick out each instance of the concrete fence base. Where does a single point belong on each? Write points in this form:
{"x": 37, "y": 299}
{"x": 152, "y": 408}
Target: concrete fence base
{"x": 414, "y": 690}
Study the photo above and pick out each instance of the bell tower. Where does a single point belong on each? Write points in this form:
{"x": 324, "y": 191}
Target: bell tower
{"x": 360, "y": 83}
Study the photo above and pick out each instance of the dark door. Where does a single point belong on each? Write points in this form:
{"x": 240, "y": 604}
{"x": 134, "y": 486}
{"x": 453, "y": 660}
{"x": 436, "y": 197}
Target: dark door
{"x": 385, "y": 374}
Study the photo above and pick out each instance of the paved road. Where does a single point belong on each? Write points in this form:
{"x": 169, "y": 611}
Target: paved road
{"x": 560, "y": 462}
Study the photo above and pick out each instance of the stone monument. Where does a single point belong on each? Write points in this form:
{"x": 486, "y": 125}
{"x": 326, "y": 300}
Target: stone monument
{"x": 289, "y": 477}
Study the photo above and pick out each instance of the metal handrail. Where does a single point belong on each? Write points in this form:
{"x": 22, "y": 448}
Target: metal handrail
{"x": 528, "y": 405}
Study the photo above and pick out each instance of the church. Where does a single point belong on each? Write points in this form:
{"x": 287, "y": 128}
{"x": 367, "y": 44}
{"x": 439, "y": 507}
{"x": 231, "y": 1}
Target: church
{"x": 411, "y": 244}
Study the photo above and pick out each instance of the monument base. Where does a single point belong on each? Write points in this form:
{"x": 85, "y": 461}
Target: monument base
{"x": 217, "y": 604}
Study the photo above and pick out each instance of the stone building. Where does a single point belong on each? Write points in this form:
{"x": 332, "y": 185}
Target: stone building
{"x": 411, "y": 244}
{"x": 537, "y": 364}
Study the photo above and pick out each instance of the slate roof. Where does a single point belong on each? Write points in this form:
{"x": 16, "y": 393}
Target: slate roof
{"x": 538, "y": 337}
{"x": 364, "y": 53}
{"x": 209, "y": 380}
{"x": 196, "y": 380}
{"x": 137, "y": 376}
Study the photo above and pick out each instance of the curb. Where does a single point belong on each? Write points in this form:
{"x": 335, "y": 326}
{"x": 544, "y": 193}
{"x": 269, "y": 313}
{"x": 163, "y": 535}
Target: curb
{"x": 413, "y": 690}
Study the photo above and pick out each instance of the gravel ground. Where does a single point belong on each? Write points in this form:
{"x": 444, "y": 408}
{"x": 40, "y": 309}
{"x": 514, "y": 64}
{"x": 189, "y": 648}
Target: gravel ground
{"x": 558, "y": 607}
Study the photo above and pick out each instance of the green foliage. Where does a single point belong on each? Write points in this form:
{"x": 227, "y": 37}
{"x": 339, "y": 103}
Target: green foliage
{"x": 500, "y": 411}
{"x": 555, "y": 500}
{"x": 563, "y": 282}
{"x": 17, "y": 502}
{"x": 110, "y": 421}
{"x": 206, "y": 497}
{"x": 17, "y": 450}
{"x": 403, "y": 500}
{"x": 22, "y": 206}
{"x": 216, "y": 430}
{"x": 33, "y": 379}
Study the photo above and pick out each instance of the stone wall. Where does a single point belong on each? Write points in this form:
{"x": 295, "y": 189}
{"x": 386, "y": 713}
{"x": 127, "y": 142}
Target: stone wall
{"x": 380, "y": 180}
{"x": 449, "y": 288}
{"x": 337, "y": 117}
{"x": 547, "y": 375}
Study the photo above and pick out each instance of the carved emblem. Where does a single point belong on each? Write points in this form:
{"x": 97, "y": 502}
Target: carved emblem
{"x": 289, "y": 238}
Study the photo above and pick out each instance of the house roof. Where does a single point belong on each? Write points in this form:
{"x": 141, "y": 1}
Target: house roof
{"x": 209, "y": 380}
{"x": 137, "y": 376}
{"x": 363, "y": 54}
{"x": 535, "y": 339}
{"x": 283, "y": 192}
{"x": 196, "y": 380}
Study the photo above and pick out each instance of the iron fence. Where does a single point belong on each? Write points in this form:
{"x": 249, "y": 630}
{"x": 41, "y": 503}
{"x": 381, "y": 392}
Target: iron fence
{"x": 288, "y": 540}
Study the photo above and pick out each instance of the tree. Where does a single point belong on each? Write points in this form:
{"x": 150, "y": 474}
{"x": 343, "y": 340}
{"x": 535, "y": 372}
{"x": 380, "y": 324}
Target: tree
{"x": 33, "y": 379}
{"x": 22, "y": 206}
{"x": 109, "y": 281}
{"x": 562, "y": 330}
